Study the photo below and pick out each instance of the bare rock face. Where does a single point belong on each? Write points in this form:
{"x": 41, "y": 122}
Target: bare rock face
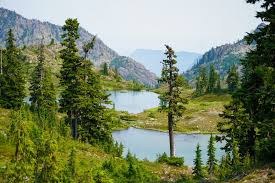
{"x": 130, "y": 70}
{"x": 30, "y": 32}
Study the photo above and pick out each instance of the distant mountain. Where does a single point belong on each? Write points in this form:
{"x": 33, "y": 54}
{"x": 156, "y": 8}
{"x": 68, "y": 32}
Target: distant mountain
{"x": 223, "y": 57}
{"x": 151, "y": 59}
{"x": 129, "y": 69}
{"x": 30, "y": 32}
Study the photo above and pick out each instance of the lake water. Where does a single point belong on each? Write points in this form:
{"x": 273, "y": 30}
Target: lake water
{"x": 134, "y": 101}
{"x": 146, "y": 144}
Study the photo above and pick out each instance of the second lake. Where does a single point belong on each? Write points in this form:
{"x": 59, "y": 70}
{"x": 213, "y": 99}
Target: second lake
{"x": 146, "y": 144}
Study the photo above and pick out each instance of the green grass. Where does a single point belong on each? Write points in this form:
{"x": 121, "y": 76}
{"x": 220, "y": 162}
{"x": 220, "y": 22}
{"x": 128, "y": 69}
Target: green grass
{"x": 201, "y": 115}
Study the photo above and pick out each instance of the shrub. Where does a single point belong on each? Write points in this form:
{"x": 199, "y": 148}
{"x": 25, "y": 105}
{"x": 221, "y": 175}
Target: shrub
{"x": 174, "y": 161}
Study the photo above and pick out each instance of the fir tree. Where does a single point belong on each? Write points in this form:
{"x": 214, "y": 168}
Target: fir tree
{"x": 172, "y": 102}
{"x": 13, "y": 77}
{"x": 232, "y": 79}
{"x": 212, "y": 161}
{"x": 197, "y": 169}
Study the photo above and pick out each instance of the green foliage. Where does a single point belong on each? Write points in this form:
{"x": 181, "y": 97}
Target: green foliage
{"x": 105, "y": 69}
{"x": 83, "y": 98}
{"x": 12, "y": 80}
{"x": 256, "y": 94}
{"x": 212, "y": 161}
{"x": 201, "y": 82}
{"x": 35, "y": 151}
{"x": 225, "y": 167}
{"x": 172, "y": 101}
{"x": 137, "y": 86}
{"x": 52, "y": 42}
{"x": 232, "y": 79}
{"x": 42, "y": 89}
{"x": 174, "y": 161}
{"x": 197, "y": 169}
{"x": 183, "y": 82}
{"x": 212, "y": 80}
{"x": 235, "y": 157}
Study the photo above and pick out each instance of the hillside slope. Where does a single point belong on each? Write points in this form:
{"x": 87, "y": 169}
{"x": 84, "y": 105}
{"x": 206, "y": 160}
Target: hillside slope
{"x": 223, "y": 57}
{"x": 30, "y": 32}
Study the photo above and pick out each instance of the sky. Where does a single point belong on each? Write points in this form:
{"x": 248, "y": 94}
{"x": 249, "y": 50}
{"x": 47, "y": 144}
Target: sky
{"x": 126, "y": 25}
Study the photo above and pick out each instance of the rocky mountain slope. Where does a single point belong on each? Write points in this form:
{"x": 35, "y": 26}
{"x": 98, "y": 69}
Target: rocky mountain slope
{"x": 151, "y": 59}
{"x": 30, "y": 32}
{"x": 223, "y": 57}
{"x": 130, "y": 70}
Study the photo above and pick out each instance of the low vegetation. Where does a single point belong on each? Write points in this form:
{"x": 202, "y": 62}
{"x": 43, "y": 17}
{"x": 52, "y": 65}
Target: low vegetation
{"x": 201, "y": 115}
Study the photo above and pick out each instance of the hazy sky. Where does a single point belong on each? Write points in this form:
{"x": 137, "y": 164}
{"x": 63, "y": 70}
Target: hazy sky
{"x": 126, "y": 25}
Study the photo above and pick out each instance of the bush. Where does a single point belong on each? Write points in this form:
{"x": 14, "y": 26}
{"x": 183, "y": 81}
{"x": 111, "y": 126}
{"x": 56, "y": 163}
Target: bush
{"x": 174, "y": 161}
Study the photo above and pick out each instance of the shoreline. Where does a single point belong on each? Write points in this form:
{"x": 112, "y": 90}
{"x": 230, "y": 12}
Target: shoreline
{"x": 166, "y": 131}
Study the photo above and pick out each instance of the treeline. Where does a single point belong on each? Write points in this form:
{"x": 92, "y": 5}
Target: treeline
{"x": 211, "y": 82}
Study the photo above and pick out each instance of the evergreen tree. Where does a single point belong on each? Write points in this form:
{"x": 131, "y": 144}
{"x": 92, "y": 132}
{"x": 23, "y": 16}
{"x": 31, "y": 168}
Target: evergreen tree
{"x": 212, "y": 161}
{"x": 83, "y": 99}
{"x": 234, "y": 127}
{"x": 232, "y": 79}
{"x": 172, "y": 102}
{"x": 201, "y": 83}
{"x": 218, "y": 86}
{"x": 42, "y": 89}
{"x": 105, "y": 70}
{"x": 69, "y": 73}
{"x": 236, "y": 162}
{"x": 225, "y": 167}
{"x": 197, "y": 169}
{"x": 211, "y": 80}
{"x": 13, "y": 78}
{"x": 257, "y": 93}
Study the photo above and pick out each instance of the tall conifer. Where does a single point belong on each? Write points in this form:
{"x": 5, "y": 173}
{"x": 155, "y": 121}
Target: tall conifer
{"x": 172, "y": 101}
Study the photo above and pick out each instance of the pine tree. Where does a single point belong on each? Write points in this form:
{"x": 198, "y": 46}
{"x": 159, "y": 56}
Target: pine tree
{"x": 172, "y": 102}
{"x": 211, "y": 79}
{"x": 197, "y": 169}
{"x": 13, "y": 78}
{"x": 212, "y": 161}
{"x": 232, "y": 79}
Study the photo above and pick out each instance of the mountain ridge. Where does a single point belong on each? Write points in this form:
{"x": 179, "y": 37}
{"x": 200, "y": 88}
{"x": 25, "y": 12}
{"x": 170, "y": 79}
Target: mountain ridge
{"x": 31, "y": 31}
{"x": 222, "y": 57}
